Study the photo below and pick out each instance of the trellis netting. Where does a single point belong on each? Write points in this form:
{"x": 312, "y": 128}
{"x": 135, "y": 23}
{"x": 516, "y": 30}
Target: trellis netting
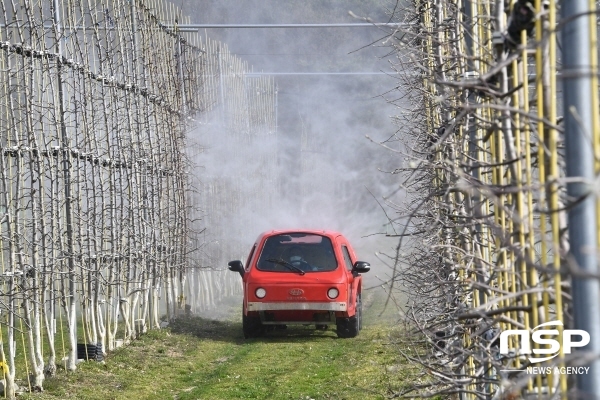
{"x": 489, "y": 255}
{"x": 100, "y": 216}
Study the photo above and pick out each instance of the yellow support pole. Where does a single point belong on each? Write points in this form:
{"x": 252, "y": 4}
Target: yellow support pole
{"x": 529, "y": 242}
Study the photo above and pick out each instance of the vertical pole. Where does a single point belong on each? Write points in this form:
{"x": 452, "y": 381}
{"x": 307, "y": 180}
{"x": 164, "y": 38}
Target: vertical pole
{"x": 247, "y": 88}
{"x": 64, "y": 144}
{"x": 134, "y": 28}
{"x": 577, "y": 81}
{"x": 276, "y": 107}
{"x": 475, "y": 141}
{"x": 221, "y": 89}
{"x": 181, "y": 77}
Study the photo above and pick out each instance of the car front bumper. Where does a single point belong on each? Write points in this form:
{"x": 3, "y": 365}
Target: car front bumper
{"x": 277, "y": 306}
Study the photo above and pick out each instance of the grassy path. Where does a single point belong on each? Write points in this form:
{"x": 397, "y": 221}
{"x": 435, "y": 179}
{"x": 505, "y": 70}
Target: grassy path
{"x": 200, "y": 358}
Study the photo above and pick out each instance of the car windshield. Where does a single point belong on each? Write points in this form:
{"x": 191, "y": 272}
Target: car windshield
{"x": 297, "y": 252}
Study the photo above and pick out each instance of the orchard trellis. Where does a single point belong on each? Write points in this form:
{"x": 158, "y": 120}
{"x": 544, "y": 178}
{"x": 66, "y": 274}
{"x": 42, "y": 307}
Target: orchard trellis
{"x": 490, "y": 245}
{"x": 98, "y": 242}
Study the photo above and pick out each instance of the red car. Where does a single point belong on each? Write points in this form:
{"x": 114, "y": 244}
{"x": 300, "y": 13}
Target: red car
{"x": 301, "y": 277}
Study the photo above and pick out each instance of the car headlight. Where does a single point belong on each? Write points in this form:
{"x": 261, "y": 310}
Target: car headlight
{"x": 260, "y": 293}
{"x": 333, "y": 293}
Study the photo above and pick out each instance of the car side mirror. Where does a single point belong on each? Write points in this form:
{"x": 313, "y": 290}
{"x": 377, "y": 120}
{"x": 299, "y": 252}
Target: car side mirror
{"x": 237, "y": 266}
{"x": 361, "y": 267}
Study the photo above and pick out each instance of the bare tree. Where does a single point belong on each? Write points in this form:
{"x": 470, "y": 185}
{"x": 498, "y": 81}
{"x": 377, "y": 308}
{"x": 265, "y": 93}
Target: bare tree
{"x": 101, "y": 223}
{"x": 482, "y": 238}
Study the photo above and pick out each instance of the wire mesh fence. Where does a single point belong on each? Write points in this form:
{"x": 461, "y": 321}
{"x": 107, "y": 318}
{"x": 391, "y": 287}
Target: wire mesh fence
{"x": 485, "y": 246}
{"x": 100, "y": 220}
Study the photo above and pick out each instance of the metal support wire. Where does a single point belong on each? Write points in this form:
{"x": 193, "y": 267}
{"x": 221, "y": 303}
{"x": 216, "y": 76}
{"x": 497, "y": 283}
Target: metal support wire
{"x": 193, "y": 27}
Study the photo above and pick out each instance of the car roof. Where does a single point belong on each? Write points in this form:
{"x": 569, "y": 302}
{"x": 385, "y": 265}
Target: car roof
{"x": 329, "y": 233}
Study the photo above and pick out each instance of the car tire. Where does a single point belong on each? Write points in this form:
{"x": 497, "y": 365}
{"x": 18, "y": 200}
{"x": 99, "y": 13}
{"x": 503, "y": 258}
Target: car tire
{"x": 348, "y": 327}
{"x": 251, "y": 326}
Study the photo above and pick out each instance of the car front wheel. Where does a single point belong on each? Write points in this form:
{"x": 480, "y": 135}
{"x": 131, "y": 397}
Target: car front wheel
{"x": 251, "y": 326}
{"x": 348, "y": 327}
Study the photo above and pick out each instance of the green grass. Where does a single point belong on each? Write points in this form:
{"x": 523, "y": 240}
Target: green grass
{"x": 201, "y": 358}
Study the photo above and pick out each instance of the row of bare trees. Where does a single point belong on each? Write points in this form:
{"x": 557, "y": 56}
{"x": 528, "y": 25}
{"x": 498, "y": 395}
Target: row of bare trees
{"x": 483, "y": 241}
{"x": 101, "y": 221}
